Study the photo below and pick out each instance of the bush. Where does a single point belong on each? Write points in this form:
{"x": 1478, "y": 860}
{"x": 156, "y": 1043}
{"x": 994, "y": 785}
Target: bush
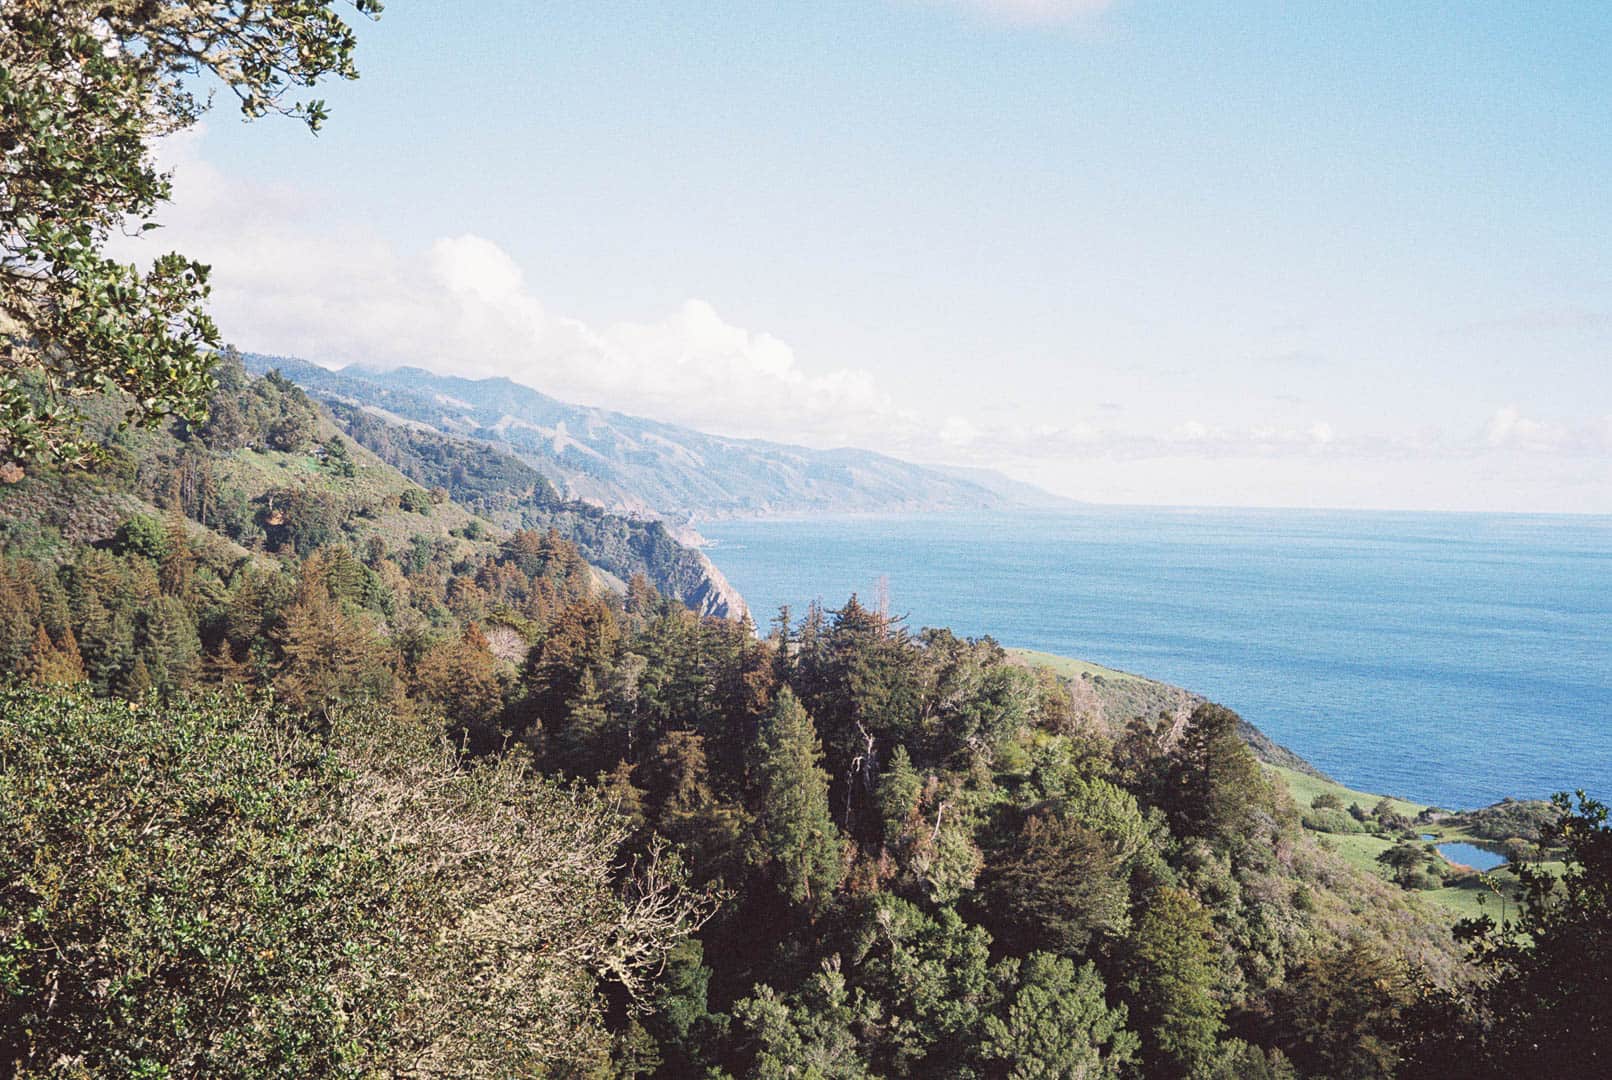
{"x": 1332, "y": 821}
{"x": 212, "y": 888}
{"x": 141, "y": 534}
{"x": 1327, "y": 800}
{"x": 414, "y": 501}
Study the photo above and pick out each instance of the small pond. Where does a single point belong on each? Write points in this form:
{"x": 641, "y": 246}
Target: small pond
{"x": 1471, "y": 855}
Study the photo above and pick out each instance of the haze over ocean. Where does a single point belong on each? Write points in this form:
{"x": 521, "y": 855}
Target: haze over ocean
{"x": 1450, "y": 658}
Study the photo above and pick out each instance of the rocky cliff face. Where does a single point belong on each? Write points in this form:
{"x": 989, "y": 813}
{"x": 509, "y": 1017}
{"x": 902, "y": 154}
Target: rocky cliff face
{"x": 714, "y": 596}
{"x": 510, "y": 492}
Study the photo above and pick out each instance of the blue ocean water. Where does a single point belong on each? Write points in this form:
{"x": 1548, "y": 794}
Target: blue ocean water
{"x": 1449, "y": 658}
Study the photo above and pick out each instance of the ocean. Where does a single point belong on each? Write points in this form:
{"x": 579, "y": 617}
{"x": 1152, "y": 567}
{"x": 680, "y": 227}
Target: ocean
{"x": 1448, "y": 658}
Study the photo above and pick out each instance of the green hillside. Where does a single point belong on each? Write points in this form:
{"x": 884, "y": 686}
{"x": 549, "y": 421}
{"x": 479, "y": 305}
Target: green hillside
{"x": 1119, "y": 698}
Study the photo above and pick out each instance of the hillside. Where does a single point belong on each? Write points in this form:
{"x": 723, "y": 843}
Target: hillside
{"x": 258, "y": 478}
{"x": 1115, "y": 697}
{"x": 650, "y": 842}
{"x": 634, "y": 464}
{"x": 1380, "y": 835}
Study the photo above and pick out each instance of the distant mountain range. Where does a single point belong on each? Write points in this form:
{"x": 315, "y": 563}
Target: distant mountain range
{"x": 633, "y": 464}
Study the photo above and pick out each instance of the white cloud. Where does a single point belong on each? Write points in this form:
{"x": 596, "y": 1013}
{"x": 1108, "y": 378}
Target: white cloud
{"x": 1510, "y": 429}
{"x": 284, "y": 283}
{"x": 462, "y": 306}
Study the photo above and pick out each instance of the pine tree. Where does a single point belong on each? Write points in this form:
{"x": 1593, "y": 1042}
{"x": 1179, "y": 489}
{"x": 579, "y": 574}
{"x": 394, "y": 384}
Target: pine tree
{"x": 586, "y": 740}
{"x": 170, "y": 645}
{"x": 50, "y": 665}
{"x": 794, "y": 838}
{"x": 137, "y": 682}
{"x": 460, "y": 677}
{"x": 173, "y": 573}
{"x": 1058, "y": 1024}
{"x": 1214, "y": 782}
{"x": 327, "y": 655}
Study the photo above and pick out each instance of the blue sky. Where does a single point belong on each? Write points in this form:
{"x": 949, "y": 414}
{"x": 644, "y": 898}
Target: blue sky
{"x": 1311, "y": 254}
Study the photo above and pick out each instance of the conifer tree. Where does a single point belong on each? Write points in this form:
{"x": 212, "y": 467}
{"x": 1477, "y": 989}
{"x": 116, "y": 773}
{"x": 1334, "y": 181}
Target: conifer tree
{"x": 173, "y": 573}
{"x": 169, "y": 644}
{"x": 1214, "y": 781}
{"x": 584, "y": 740}
{"x": 794, "y": 837}
{"x": 57, "y": 664}
{"x": 327, "y": 655}
{"x": 1058, "y": 1024}
{"x": 1171, "y": 983}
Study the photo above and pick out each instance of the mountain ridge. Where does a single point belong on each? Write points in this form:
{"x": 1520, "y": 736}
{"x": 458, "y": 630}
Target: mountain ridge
{"x": 641, "y": 465}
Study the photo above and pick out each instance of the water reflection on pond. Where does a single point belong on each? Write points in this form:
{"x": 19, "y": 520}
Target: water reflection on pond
{"x": 1471, "y": 855}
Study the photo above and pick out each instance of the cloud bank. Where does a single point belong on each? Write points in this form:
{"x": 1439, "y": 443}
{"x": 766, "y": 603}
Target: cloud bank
{"x": 462, "y": 305}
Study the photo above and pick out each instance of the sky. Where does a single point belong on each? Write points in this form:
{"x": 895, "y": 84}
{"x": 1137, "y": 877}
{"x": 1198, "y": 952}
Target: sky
{"x": 1323, "y": 254}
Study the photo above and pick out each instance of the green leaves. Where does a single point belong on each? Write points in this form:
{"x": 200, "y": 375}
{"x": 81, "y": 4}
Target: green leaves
{"x": 217, "y": 888}
{"x": 84, "y": 88}
{"x": 795, "y": 838}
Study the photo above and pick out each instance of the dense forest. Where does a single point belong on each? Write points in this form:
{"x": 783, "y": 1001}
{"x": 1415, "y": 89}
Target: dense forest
{"x": 310, "y": 769}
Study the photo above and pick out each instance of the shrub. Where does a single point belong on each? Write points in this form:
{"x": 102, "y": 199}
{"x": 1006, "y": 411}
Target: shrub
{"x": 414, "y": 501}
{"x": 1332, "y": 821}
{"x": 212, "y": 888}
{"x": 141, "y": 534}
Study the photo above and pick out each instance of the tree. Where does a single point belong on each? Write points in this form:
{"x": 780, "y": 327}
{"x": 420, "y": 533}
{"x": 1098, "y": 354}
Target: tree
{"x": 329, "y": 656}
{"x": 581, "y": 641}
{"x": 794, "y": 837}
{"x": 1338, "y": 1013}
{"x": 55, "y": 665}
{"x": 460, "y": 677}
{"x": 85, "y": 86}
{"x": 1055, "y": 887}
{"x": 813, "y": 1033}
{"x": 169, "y": 645}
{"x": 1171, "y": 983}
{"x": 141, "y": 535}
{"x": 1551, "y": 968}
{"x": 1057, "y": 1024}
{"x": 932, "y": 979}
{"x": 173, "y": 571}
{"x": 215, "y": 888}
{"x": 1214, "y": 783}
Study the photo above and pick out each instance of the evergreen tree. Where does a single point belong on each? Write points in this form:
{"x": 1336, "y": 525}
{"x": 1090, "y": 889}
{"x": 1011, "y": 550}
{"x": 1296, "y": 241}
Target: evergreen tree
{"x": 794, "y": 837}
{"x": 50, "y": 665}
{"x": 460, "y": 677}
{"x": 174, "y": 570}
{"x": 328, "y": 656}
{"x": 1057, "y": 1024}
{"x": 585, "y": 740}
{"x": 1214, "y": 783}
{"x": 1056, "y": 887}
{"x": 1172, "y": 976}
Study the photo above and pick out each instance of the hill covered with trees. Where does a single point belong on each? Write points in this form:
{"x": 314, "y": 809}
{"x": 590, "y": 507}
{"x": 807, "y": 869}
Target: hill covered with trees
{"x": 312, "y": 769}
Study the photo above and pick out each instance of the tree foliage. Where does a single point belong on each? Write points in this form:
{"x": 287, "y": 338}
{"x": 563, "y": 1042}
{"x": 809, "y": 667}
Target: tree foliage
{"x": 231, "y": 892}
{"x": 85, "y": 86}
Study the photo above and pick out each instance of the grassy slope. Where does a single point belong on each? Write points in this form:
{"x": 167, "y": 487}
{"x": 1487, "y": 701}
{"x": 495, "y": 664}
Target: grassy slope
{"x": 1305, "y": 788}
{"x": 1071, "y": 668}
{"x": 1459, "y": 899}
